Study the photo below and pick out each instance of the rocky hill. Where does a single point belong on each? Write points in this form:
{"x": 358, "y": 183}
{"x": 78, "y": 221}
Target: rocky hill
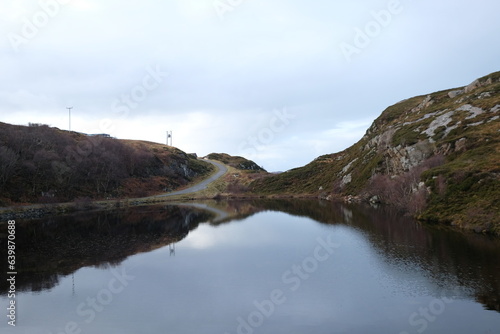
{"x": 436, "y": 156}
{"x": 236, "y": 162}
{"x": 43, "y": 164}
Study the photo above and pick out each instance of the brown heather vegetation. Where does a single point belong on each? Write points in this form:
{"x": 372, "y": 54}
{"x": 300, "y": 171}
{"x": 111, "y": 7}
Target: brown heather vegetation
{"x": 39, "y": 164}
{"x": 405, "y": 191}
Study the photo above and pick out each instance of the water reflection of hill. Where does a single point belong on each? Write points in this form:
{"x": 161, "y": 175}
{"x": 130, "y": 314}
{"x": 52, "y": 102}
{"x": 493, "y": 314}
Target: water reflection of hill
{"x": 472, "y": 260}
{"x": 58, "y": 246}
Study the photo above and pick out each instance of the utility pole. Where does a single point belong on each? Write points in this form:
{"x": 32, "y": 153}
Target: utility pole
{"x": 69, "y": 110}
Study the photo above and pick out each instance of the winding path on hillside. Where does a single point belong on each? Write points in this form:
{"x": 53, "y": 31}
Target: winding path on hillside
{"x": 221, "y": 170}
{"x": 202, "y": 185}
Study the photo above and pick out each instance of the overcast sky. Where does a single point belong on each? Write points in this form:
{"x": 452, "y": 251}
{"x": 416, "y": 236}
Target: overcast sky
{"x": 277, "y": 81}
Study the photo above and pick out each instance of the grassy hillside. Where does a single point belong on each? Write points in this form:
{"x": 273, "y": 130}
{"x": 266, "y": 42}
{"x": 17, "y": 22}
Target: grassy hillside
{"x": 436, "y": 156}
{"x": 39, "y": 164}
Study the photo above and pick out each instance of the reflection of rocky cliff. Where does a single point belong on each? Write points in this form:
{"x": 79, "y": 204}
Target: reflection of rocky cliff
{"x": 471, "y": 260}
{"x": 58, "y": 246}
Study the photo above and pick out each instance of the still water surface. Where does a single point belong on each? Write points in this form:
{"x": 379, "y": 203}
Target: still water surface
{"x": 275, "y": 267}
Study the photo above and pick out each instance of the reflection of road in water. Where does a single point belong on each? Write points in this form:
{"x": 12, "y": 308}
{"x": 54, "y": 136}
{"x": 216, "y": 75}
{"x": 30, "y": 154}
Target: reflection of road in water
{"x": 220, "y": 215}
{"x": 389, "y": 275}
{"x": 58, "y": 246}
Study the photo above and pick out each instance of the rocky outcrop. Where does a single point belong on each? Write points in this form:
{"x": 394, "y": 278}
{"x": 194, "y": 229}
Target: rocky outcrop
{"x": 236, "y": 162}
{"x": 438, "y": 150}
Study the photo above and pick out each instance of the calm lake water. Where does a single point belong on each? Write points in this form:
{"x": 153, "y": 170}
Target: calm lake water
{"x": 268, "y": 267}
